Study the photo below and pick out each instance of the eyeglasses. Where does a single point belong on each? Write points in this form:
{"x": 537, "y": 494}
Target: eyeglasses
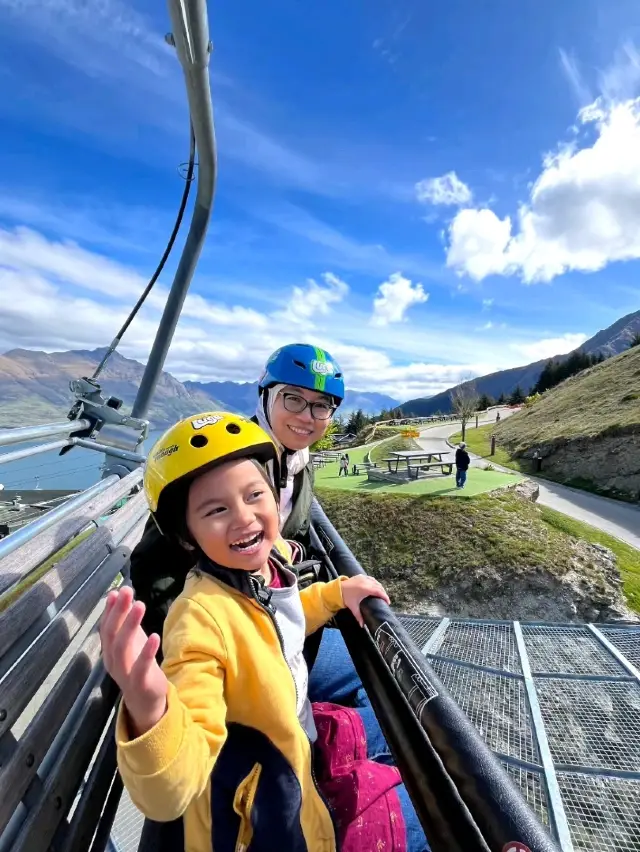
{"x": 297, "y": 404}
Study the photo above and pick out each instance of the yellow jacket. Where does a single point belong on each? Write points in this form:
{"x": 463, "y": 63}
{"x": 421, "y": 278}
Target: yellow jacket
{"x": 230, "y": 754}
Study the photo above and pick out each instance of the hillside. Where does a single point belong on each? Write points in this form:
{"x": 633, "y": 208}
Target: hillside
{"x": 586, "y": 429}
{"x": 493, "y": 557}
{"x": 34, "y": 387}
{"x": 242, "y": 396}
{"x": 610, "y": 341}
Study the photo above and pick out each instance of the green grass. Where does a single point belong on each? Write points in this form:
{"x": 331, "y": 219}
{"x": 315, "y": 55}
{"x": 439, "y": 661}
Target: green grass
{"x": 599, "y": 401}
{"x": 479, "y": 442}
{"x": 628, "y": 557}
{"x": 416, "y": 546}
{"x": 478, "y": 481}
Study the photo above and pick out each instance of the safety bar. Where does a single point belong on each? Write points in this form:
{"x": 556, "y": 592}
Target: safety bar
{"x": 462, "y": 796}
{"x": 17, "y": 538}
{"x": 191, "y": 39}
{"x": 85, "y": 443}
{"x": 47, "y": 430}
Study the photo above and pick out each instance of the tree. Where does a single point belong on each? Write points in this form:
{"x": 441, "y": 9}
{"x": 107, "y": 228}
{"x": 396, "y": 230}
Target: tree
{"x": 485, "y": 402}
{"x": 502, "y": 400}
{"x": 464, "y": 402}
{"x": 356, "y": 422}
{"x": 517, "y": 397}
{"x": 326, "y": 442}
{"x": 635, "y": 340}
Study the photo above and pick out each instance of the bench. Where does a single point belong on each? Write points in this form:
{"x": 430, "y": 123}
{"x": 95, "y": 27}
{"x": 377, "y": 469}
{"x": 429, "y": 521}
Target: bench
{"x": 362, "y": 466}
{"x": 59, "y": 789}
{"x": 427, "y": 465}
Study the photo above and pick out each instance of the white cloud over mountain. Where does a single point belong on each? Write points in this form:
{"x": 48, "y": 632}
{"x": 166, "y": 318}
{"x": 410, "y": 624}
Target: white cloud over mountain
{"x": 583, "y": 211}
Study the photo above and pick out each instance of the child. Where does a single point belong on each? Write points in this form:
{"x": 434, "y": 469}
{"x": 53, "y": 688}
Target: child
{"x": 221, "y": 733}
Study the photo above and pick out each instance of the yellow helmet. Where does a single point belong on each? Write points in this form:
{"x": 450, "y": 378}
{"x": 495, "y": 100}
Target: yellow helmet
{"x": 201, "y": 442}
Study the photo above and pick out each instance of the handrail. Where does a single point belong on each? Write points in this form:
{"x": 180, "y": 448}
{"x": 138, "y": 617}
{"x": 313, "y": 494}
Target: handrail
{"x": 20, "y": 536}
{"x": 462, "y": 795}
{"x": 191, "y": 39}
{"x": 47, "y": 430}
{"x": 16, "y": 455}
{"x": 86, "y": 444}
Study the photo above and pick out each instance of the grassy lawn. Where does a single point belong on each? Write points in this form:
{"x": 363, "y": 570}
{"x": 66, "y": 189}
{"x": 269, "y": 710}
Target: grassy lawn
{"x": 478, "y": 481}
{"x": 628, "y": 557}
{"x": 479, "y": 442}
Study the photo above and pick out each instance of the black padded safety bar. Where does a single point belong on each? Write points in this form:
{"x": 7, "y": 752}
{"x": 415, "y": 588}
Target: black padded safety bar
{"x": 463, "y": 797}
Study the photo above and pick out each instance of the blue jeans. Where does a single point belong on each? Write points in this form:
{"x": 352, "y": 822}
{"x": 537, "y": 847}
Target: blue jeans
{"x": 461, "y": 477}
{"x": 333, "y": 678}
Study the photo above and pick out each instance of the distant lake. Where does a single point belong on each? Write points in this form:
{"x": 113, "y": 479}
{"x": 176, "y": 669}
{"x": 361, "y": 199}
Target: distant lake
{"x": 77, "y": 469}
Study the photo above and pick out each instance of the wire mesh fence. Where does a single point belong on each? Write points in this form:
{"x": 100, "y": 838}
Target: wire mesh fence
{"x": 587, "y": 712}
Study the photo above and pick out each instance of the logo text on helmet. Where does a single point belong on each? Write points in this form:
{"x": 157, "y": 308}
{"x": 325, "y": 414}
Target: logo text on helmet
{"x": 209, "y": 420}
{"x": 322, "y": 368}
{"x": 166, "y": 451}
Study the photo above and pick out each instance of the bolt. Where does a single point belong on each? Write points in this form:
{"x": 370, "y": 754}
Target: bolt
{"x": 3, "y": 715}
{"x": 170, "y": 40}
{"x": 30, "y": 760}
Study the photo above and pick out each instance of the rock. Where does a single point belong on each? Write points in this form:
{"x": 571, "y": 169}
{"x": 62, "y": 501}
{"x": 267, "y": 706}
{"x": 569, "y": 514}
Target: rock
{"x": 528, "y": 489}
{"x": 589, "y": 591}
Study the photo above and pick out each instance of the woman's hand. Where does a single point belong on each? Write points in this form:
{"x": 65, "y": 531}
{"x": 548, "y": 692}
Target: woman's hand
{"x": 130, "y": 658}
{"x": 356, "y": 589}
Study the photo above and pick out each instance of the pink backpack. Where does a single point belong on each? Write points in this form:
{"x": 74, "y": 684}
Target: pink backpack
{"x": 361, "y": 792}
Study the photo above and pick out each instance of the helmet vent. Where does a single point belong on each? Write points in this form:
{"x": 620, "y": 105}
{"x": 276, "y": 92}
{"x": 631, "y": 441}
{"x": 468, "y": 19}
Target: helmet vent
{"x": 300, "y": 364}
{"x": 233, "y": 428}
{"x": 199, "y": 441}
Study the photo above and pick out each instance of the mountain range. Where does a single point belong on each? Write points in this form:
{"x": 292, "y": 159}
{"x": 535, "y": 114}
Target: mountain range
{"x": 34, "y": 388}
{"x": 609, "y": 341}
{"x": 242, "y": 397}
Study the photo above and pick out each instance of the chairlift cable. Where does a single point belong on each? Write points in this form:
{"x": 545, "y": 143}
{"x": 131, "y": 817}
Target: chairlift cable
{"x": 183, "y": 204}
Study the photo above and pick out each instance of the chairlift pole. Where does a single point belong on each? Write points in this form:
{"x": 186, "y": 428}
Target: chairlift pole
{"x": 191, "y": 39}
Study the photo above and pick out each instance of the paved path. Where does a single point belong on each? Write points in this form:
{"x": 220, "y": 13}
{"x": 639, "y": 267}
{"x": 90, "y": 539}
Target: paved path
{"x": 621, "y": 520}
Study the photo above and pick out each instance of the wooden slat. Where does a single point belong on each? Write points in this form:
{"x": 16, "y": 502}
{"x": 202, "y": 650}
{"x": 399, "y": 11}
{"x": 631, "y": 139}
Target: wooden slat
{"x": 19, "y": 770}
{"x": 27, "y": 674}
{"x": 83, "y": 559}
{"x": 23, "y": 560}
{"x": 77, "y": 835}
{"x": 63, "y": 781}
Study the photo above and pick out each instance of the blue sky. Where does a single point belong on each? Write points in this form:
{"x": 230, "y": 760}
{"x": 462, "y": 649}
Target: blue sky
{"x": 429, "y": 191}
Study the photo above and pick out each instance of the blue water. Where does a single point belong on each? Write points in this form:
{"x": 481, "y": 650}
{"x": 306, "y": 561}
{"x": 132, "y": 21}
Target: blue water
{"x": 76, "y": 470}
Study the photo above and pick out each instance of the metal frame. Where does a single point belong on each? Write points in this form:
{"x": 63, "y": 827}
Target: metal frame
{"x": 556, "y": 808}
{"x": 191, "y": 40}
{"x": 618, "y": 655}
{"x": 47, "y": 430}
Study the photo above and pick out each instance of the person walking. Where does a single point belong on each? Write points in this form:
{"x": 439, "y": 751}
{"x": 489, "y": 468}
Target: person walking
{"x": 462, "y": 465}
{"x": 344, "y": 466}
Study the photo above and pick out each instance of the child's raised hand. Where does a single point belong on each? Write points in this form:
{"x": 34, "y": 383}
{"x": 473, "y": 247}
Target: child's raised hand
{"x": 130, "y": 658}
{"x": 356, "y": 589}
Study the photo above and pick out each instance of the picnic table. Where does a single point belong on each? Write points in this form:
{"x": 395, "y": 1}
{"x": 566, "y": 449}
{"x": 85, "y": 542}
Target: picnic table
{"x": 417, "y": 460}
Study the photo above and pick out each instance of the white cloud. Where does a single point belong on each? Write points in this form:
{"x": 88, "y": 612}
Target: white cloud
{"x": 315, "y": 299}
{"x": 447, "y": 190}
{"x": 47, "y": 304}
{"x": 487, "y": 303}
{"x": 574, "y": 75}
{"x": 583, "y": 212}
{"x": 549, "y": 346}
{"x": 394, "y": 299}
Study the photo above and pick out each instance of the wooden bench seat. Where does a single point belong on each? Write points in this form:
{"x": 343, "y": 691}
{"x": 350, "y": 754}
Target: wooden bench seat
{"x": 59, "y": 788}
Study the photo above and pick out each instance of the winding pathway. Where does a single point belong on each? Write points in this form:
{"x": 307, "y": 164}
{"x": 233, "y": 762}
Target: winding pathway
{"x": 621, "y": 520}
